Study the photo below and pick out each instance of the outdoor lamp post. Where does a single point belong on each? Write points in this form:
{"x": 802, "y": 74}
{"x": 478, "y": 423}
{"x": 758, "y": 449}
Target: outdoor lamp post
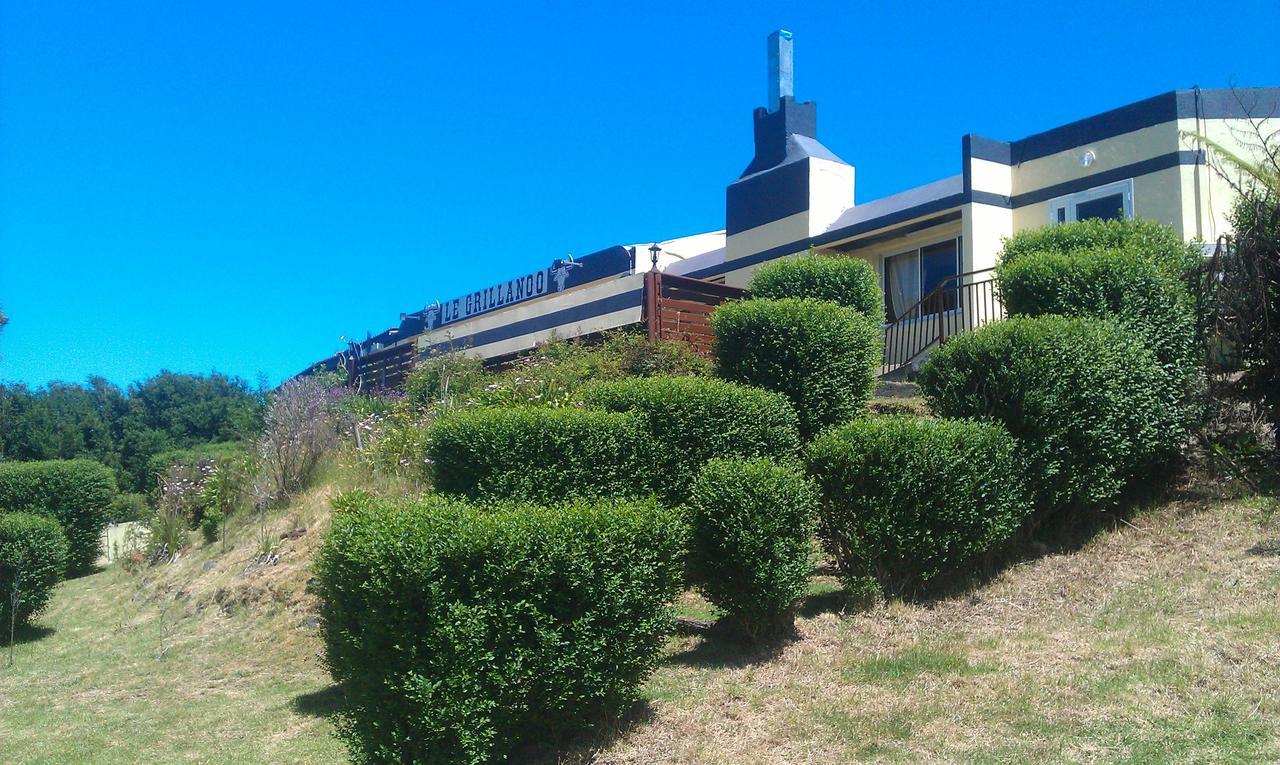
{"x": 654, "y": 249}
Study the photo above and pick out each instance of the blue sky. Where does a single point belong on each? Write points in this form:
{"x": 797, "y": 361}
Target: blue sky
{"x": 233, "y": 186}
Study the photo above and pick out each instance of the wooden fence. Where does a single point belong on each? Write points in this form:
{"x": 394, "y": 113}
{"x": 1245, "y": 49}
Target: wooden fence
{"x": 679, "y": 308}
{"x": 381, "y": 370}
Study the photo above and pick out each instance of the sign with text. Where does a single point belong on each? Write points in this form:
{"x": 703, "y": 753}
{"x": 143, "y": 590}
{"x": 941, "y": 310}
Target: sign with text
{"x": 563, "y": 274}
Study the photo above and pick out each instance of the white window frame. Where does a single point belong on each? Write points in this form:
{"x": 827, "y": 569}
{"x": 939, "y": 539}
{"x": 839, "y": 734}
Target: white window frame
{"x": 1067, "y": 204}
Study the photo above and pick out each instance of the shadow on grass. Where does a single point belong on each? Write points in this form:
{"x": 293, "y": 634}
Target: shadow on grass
{"x": 325, "y": 702}
{"x": 585, "y": 746}
{"x": 724, "y": 646}
{"x": 28, "y": 633}
{"x": 1069, "y": 532}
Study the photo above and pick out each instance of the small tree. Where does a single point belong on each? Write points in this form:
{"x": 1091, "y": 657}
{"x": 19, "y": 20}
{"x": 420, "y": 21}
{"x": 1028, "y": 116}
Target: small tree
{"x": 299, "y": 430}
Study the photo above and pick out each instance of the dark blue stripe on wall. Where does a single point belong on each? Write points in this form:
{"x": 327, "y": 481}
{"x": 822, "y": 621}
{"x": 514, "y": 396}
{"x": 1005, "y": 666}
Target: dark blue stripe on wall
{"x": 1223, "y": 103}
{"x": 1162, "y": 162}
{"x": 990, "y": 149}
{"x": 1126, "y": 119}
{"x": 766, "y": 197}
{"x": 800, "y": 245}
{"x": 903, "y": 231}
{"x": 1165, "y": 161}
{"x": 632, "y": 299}
{"x": 989, "y": 198}
{"x": 1230, "y": 103}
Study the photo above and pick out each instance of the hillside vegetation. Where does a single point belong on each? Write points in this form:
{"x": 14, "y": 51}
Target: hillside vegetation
{"x": 1157, "y": 641}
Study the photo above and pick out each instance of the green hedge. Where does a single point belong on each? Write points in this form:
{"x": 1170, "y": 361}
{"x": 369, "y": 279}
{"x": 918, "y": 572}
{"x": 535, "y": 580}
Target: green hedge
{"x": 1082, "y": 395}
{"x": 78, "y": 493}
{"x": 905, "y": 500}
{"x": 33, "y": 550}
{"x": 1123, "y": 285}
{"x": 851, "y": 282}
{"x": 692, "y": 419}
{"x": 459, "y": 632}
{"x": 822, "y": 356}
{"x": 751, "y": 546}
{"x": 1157, "y": 243}
{"x": 536, "y": 454}
{"x": 158, "y": 465}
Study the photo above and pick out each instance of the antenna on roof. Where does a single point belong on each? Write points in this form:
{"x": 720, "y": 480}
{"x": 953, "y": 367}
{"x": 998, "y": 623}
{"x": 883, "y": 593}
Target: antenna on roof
{"x": 781, "y": 70}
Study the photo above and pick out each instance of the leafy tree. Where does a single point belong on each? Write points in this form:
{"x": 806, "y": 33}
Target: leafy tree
{"x": 124, "y": 429}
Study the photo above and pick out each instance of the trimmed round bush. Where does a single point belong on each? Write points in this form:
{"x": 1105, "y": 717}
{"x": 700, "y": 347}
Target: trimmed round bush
{"x": 460, "y": 632}
{"x": 1157, "y": 243}
{"x": 822, "y": 356}
{"x": 33, "y": 551}
{"x": 692, "y": 419}
{"x": 1109, "y": 284}
{"x": 1083, "y": 396}
{"x": 851, "y": 282}
{"x": 905, "y": 500}
{"x": 751, "y": 541}
{"x": 537, "y": 454}
{"x": 78, "y": 493}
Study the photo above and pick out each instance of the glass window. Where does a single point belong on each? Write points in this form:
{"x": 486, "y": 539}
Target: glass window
{"x": 911, "y": 276}
{"x": 939, "y": 262}
{"x": 1113, "y": 201}
{"x": 1107, "y": 208}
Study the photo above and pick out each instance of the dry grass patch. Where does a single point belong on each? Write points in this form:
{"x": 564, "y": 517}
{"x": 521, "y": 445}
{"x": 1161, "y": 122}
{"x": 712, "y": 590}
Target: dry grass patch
{"x": 1156, "y": 642}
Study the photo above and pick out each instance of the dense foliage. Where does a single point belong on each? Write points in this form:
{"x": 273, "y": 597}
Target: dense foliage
{"x": 33, "y": 559}
{"x": 849, "y": 281}
{"x": 822, "y": 356}
{"x": 160, "y": 464}
{"x": 1083, "y": 396}
{"x": 537, "y": 454}
{"x": 461, "y": 632}
{"x": 124, "y": 429}
{"x": 1248, "y": 298}
{"x": 692, "y": 419}
{"x": 1158, "y": 243}
{"x": 905, "y": 500}
{"x": 751, "y": 541}
{"x": 77, "y": 493}
{"x": 548, "y": 375}
{"x": 1124, "y": 285}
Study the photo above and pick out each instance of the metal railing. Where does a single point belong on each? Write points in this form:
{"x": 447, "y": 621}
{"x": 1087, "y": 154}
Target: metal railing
{"x": 961, "y": 303}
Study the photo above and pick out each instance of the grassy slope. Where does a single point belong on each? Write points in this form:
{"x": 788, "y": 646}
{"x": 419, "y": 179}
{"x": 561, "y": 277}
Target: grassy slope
{"x": 1157, "y": 642}
{"x": 195, "y": 662}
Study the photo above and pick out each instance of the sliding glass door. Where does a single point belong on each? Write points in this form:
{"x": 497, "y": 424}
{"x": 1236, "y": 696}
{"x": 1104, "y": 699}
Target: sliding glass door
{"x": 913, "y": 275}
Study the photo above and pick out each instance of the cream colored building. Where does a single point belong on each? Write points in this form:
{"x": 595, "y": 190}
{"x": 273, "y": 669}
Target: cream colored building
{"x": 796, "y": 194}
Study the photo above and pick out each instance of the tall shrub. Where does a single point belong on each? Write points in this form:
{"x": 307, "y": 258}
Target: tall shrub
{"x": 33, "y": 559}
{"x": 1083, "y": 396}
{"x": 1148, "y": 239}
{"x": 537, "y": 454}
{"x": 689, "y": 420}
{"x": 1248, "y": 299}
{"x": 851, "y": 282}
{"x": 905, "y": 500}
{"x": 752, "y": 541}
{"x": 821, "y": 356}
{"x": 460, "y": 632}
{"x": 77, "y": 493}
{"x": 299, "y": 430}
{"x": 1123, "y": 285}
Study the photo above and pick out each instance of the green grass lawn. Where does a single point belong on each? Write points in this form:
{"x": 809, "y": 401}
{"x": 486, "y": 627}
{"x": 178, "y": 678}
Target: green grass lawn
{"x": 1156, "y": 642}
{"x": 112, "y": 679}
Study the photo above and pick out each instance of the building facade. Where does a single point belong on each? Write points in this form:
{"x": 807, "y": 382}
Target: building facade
{"x": 795, "y": 195}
